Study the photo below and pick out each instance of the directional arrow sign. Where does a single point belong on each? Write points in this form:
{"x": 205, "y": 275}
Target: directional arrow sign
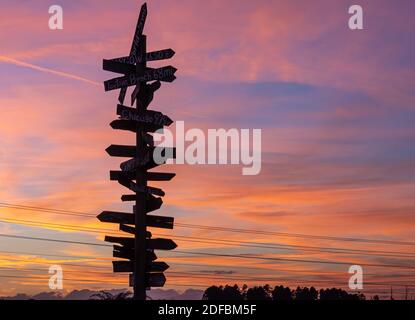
{"x": 159, "y": 222}
{"x": 161, "y": 244}
{"x": 128, "y": 266}
{"x": 136, "y": 188}
{"x": 128, "y": 253}
{"x": 158, "y": 266}
{"x": 116, "y": 217}
{"x": 121, "y": 151}
{"x": 128, "y": 218}
{"x": 162, "y": 74}
{"x": 159, "y": 176}
{"x": 139, "y": 30}
{"x": 155, "y": 279}
{"x": 131, "y": 230}
{"x": 150, "y": 176}
{"x": 130, "y": 125}
{"x": 118, "y": 67}
{"x": 149, "y": 117}
{"x": 135, "y": 163}
{"x": 122, "y": 266}
{"x": 160, "y": 55}
{"x": 121, "y": 240}
{"x": 150, "y": 56}
{"x": 152, "y": 203}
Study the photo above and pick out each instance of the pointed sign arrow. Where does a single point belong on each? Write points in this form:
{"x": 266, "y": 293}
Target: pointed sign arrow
{"x": 128, "y": 218}
{"x": 116, "y": 217}
{"x": 139, "y": 30}
{"x": 126, "y": 65}
{"x": 160, "y": 55}
{"x": 161, "y": 244}
{"x": 155, "y": 279}
{"x": 121, "y": 240}
{"x": 165, "y": 74}
{"x": 128, "y": 266}
{"x": 131, "y": 230}
{"x": 121, "y": 151}
{"x": 130, "y": 125}
{"x": 150, "y": 176}
{"x": 128, "y": 253}
{"x": 149, "y": 116}
{"x": 159, "y": 176}
{"x": 118, "y": 67}
{"x": 136, "y": 188}
{"x": 152, "y": 280}
{"x": 152, "y": 204}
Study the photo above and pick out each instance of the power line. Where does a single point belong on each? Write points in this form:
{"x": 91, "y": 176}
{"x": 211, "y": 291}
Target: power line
{"x": 226, "y": 241}
{"x": 176, "y": 263}
{"x": 215, "y": 228}
{"x": 223, "y": 255}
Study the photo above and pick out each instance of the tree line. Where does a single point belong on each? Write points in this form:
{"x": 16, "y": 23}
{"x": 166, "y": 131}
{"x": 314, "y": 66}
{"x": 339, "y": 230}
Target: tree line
{"x": 278, "y": 293}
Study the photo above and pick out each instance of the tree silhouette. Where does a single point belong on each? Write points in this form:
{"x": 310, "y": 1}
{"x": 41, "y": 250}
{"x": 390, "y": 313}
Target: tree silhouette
{"x": 279, "y": 293}
{"x": 339, "y": 294}
{"x": 105, "y": 295}
{"x": 223, "y": 293}
{"x": 258, "y": 293}
{"x": 282, "y": 293}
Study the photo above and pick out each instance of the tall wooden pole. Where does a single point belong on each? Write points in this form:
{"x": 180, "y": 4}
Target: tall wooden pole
{"x": 140, "y": 206}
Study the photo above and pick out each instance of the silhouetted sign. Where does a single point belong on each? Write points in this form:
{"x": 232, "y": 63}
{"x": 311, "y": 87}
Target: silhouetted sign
{"x": 159, "y": 176}
{"x": 149, "y": 116}
{"x": 122, "y": 266}
{"x": 155, "y": 279}
{"x": 131, "y": 175}
{"x": 160, "y": 222}
{"x": 161, "y": 244}
{"x": 128, "y": 266}
{"x": 150, "y": 56}
{"x": 165, "y": 74}
{"x": 158, "y": 266}
{"x": 121, "y": 240}
{"x": 131, "y": 230}
{"x": 139, "y": 30}
{"x": 116, "y": 217}
{"x": 152, "y": 203}
{"x": 133, "y": 164}
{"x": 136, "y": 188}
{"x": 130, "y": 125}
{"x": 128, "y": 218}
{"x": 118, "y": 67}
{"x": 121, "y": 151}
{"x": 128, "y": 253}
{"x": 160, "y": 55}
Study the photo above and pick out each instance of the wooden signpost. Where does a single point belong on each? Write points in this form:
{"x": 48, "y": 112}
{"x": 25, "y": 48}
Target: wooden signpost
{"x": 138, "y": 247}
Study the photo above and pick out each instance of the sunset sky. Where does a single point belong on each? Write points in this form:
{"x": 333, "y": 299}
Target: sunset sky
{"x": 336, "y": 108}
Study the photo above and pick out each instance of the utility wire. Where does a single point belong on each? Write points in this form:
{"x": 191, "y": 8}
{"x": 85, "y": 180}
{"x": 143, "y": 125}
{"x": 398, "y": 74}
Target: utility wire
{"x": 224, "y": 241}
{"x": 215, "y": 228}
{"x": 221, "y": 255}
